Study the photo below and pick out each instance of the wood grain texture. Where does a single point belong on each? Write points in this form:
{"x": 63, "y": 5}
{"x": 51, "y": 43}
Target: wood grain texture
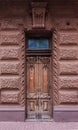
{"x": 38, "y": 97}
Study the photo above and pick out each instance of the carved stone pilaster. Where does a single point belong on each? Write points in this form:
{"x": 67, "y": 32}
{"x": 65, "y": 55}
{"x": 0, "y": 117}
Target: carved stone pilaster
{"x": 55, "y": 67}
{"x": 38, "y": 14}
{"x": 22, "y": 89}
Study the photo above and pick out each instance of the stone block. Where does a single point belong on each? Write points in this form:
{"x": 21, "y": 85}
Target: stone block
{"x": 7, "y": 24}
{"x": 68, "y": 53}
{"x": 9, "y": 53}
{"x": 68, "y": 82}
{"x": 68, "y": 38}
{"x": 68, "y": 97}
{"x": 9, "y": 37}
{"x": 68, "y": 67}
{"x": 11, "y": 24}
{"x": 9, "y": 82}
{"x": 9, "y": 96}
{"x": 62, "y": 23}
{"x": 9, "y": 67}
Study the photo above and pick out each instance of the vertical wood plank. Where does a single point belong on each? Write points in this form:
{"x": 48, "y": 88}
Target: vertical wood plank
{"x": 32, "y": 80}
{"x": 45, "y": 79}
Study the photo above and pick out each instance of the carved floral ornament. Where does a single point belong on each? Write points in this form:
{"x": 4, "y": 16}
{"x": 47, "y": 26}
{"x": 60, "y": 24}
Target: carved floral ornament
{"x": 38, "y": 14}
{"x": 33, "y": 60}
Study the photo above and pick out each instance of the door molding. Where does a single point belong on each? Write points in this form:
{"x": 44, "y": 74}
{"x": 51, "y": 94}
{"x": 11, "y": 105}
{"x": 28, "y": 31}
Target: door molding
{"x": 55, "y": 67}
{"x": 54, "y": 76}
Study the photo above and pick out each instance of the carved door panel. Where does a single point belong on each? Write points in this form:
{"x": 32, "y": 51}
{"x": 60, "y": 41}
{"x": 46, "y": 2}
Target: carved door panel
{"x": 38, "y": 88}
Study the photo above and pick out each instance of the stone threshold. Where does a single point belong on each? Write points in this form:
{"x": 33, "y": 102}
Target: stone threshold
{"x": 39, "y": 120}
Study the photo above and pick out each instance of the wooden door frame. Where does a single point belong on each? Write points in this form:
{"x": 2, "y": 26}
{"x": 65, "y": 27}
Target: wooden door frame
{"x": 43, "y": 34}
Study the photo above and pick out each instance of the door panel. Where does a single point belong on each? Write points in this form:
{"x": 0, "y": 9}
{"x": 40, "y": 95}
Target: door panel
{"x": 38, "y": 81}
{"x": 32, "y": 79}
{"x": 45, "y": 79}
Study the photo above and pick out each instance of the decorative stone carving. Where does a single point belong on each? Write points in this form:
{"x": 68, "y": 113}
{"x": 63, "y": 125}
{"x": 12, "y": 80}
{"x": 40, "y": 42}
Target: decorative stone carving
{"x": 55, "y": 67}
{"x": 22, "y": 58}
{"x": 38, "y": 14}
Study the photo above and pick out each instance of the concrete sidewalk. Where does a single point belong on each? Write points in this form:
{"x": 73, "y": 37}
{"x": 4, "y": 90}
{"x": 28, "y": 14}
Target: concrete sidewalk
{"x": 38, "y": 126}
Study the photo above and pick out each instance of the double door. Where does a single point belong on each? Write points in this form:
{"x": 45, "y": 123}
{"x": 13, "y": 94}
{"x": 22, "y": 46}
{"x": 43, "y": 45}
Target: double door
{"x": 38, "y": 88}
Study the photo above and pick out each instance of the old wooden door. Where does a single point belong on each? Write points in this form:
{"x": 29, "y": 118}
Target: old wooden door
{"x": 38, "y": 88}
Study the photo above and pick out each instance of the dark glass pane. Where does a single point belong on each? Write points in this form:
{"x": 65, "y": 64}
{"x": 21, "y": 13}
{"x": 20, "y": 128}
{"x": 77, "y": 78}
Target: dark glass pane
{"x": 38, "y": 43}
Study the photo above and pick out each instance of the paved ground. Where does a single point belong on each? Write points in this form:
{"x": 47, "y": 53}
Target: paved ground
{"x": 38, "y": 126}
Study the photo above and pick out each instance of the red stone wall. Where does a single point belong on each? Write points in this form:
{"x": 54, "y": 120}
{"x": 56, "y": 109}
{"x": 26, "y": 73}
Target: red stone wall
{"x": 68, "y": 67}
{"x": 66, "y": 92}
{"x": 9, "y": 67}
{"x": 12, "y": 24}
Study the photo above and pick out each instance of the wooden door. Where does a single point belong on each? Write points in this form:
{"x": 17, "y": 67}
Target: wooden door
{"x": 38, "y": 88}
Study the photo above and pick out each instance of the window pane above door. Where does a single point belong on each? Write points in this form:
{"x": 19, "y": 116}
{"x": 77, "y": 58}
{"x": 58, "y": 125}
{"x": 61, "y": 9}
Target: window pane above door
{"x": 39, "y": 43}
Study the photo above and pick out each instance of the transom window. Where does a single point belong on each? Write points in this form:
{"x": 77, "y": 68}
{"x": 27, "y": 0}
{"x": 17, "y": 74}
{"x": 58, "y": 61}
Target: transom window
{"x": 38, "y": 43}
